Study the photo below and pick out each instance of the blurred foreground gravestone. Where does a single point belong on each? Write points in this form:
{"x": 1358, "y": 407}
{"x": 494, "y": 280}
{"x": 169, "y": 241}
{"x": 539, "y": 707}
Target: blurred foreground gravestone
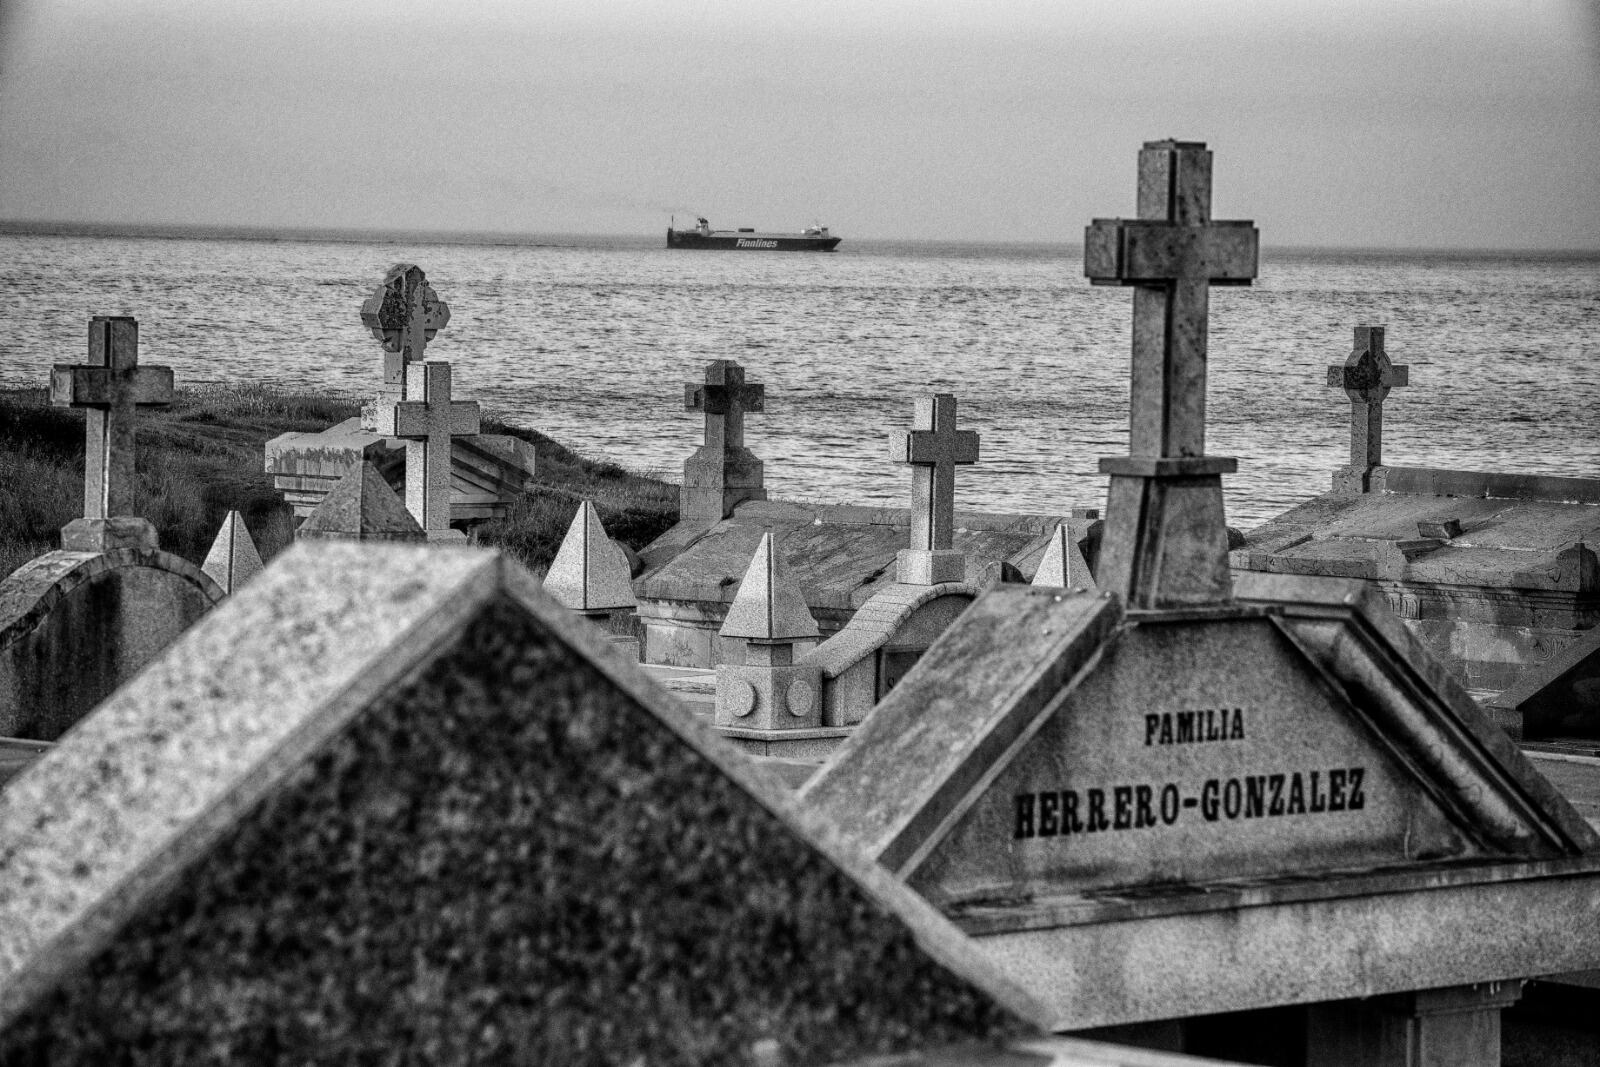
{"x": 395, "y": 798}
{"x": 1187, "y": 796}
{"x": 78, "y": 622}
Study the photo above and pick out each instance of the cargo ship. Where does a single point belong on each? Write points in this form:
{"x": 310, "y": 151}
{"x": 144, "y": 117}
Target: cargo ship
{"x": 811, "y": 239}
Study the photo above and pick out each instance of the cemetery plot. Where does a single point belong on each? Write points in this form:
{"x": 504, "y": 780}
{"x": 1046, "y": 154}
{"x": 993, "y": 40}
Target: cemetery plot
{"x": 1114, "y": 803}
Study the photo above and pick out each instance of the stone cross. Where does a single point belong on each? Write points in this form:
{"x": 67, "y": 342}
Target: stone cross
{"x": 428, "y": 425}
{"x": 1166, "y": 542}
{"x": 725, "y": 397}
{"x": 1366, "y": 376}
{"x": 933, "y": 448}
{"x": 405, "y": 314}
{"x": 110, "y": 387}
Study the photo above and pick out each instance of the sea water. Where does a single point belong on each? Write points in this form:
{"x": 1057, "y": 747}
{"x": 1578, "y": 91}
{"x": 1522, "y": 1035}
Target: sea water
{"x": 591, "y": 340}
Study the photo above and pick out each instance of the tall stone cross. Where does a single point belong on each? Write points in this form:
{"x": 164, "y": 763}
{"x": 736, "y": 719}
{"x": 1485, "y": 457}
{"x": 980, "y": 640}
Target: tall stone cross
{"x": 1366, "y": 376}
{"x": 428, "y": 424}
{"x": 722, "y": 473}
{"x": 404, "y": 314}
{"x": 1166, "y": 541}
{"x": 933, "y": 447}
{"x": 109, "y": 387}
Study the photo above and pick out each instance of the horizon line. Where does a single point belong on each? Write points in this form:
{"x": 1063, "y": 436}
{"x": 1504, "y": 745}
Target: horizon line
{"x": 516, "y": 238}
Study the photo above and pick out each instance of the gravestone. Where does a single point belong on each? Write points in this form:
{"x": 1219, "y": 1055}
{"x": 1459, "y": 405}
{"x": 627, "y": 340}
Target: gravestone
{"x": 428, "y": 423}
{"x": 590, "y": 575}
{"x": 392, "y": 802}
{"x": 1182, "y": 797}
{"x": 77, "y": 622}
{"x": 403, "y": 315}
{"x": 1495, "y": 571}
{"x": 1366, "y": 376}
{"x": 109, "y": 387}
{"x": 1170, "y": 255}
{"x": 233, "y": 559}
{"x": 722, "y": 473}
{"x": 933, "y": 448}
{"x": 361, "y": 507}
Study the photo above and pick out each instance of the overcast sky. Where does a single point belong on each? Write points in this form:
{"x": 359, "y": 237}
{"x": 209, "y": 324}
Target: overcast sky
{"x": 1390, "y": 123}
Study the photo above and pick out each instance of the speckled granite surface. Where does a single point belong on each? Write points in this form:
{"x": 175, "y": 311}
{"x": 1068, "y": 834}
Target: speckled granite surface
{"x": 392, "y": 805}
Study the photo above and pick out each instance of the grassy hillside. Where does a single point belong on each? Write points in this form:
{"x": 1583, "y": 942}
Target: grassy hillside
{"x": 202, "y": 457}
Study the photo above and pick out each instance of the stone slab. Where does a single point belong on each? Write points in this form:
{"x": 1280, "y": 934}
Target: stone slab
{"x": 1041, "y": 1052}
{"x": 394, "y": 800}
{"x": 488, "y": 471}
{"x": 1358, "y": 942}
{"x": 839, "y": 556}
{"x": 1577, "y": 778}
{"x": 780, "y": 745}
{"x": 1503, "y": 542}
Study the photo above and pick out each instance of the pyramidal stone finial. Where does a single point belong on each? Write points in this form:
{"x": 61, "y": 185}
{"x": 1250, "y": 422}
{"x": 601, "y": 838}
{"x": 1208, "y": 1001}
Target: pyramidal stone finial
{"x": 769, "y": 606}
{"x": 1062, "y": 566}
{"x": 361, "y": 507}
{"x": 590, "y": 572}
{"x": 233, "y": 559}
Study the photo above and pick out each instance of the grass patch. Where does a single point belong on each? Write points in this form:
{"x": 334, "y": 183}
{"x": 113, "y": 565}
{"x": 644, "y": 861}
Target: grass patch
{"x": 201, "y": 457}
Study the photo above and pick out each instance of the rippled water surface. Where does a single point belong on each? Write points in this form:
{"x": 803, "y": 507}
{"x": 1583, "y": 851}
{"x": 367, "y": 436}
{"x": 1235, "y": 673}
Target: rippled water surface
{"x": 591, "y": 340}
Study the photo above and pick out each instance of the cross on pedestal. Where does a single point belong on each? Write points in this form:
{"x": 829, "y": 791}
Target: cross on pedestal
{"x": 933, "y": 448}
{"x": 428, "y": 425}
{"x": 405, "y": 314}
{"x": 1366, "y": 376}
{"x": 722, "y": 473}
{"x": 1166, "y": 542}
{"x": 109, "y": 387}
{"x": 724, "y": 398}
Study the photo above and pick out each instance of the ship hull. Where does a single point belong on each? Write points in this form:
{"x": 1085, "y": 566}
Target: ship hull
{"x": 733, "y": 241}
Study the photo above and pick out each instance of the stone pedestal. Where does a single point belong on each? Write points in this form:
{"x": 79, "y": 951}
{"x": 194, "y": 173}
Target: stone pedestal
{"x": 1167, "y": 542}
{"x": 1458, "y": 1026}
{"x": 717, "y": 480}
{"x": 108, "y": 534}
{"x": 916, "y": 566}
{"x": 769, "y": 698}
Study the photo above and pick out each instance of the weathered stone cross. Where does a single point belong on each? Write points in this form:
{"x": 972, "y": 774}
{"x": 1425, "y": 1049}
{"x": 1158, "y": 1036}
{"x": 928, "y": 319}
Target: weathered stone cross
{"x": 1166, "y": 542}
{"x": 722, "y": 473}
{"x": 405, "y": 314}
{"x": 1366, "y": 376}
{"x": 428, "y": 425}
{"x": 725, "y": 397}
{"x": 109, "y": 387}
{"x": 933, "y": 447}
